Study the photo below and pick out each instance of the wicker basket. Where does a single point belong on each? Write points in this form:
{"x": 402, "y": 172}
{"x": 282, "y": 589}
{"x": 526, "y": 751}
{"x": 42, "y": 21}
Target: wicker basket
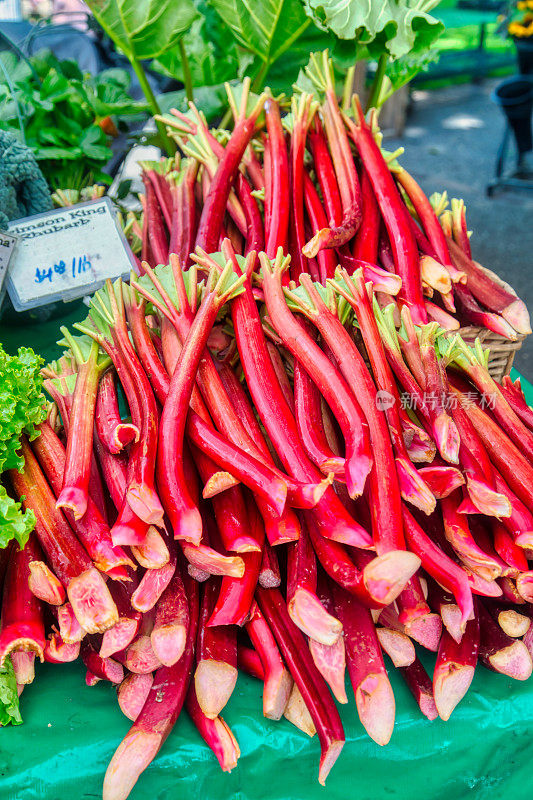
{"x": 502, "y": 351}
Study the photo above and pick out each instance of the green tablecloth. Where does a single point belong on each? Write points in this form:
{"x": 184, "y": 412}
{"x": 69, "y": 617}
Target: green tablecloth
{"x": 70, "y": 732}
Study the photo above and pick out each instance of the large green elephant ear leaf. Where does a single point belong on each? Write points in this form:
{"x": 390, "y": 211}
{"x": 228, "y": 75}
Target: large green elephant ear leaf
{"x": 144, "y": 28}
{"x": 397, "y": 27}
{"x": 266, "y": 28}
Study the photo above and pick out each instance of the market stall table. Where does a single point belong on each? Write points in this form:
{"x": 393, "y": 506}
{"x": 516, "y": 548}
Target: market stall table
{"x": 70, "y": 731}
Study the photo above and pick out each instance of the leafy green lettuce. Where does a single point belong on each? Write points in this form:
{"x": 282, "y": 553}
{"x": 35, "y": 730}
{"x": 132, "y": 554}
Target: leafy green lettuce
{"x": 9, "y": 702}
{"x": 21, "y": 410}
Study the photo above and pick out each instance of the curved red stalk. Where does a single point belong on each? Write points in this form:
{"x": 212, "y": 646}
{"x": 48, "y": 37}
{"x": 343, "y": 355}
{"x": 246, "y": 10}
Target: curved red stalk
{"x": 304, "y": 606}
{"x": 368, "y": 676}
{"x": 278, "y": 420}
{"x": 309, "y": 681}
{"x": 183, "y": 512}
{"x": 133, "y": 693}
{"x": 215, "y": 203}
{"x": 476, "y": 464}
{"x": 171, "y": 622}
{"x": 86, "y": 588}
{"x": 277, "y": 680}
{"x": 365, "y": 244}
{"x": 325, "y": 172}
{"x": 438, "y": 564}
{"x": 328, "y": 380}
{"x": 216, "y": 658}
{"x": 22, "y": 625}
{"x": 327, "y": 260}
{"x": 269, "y": 575}
{"x": 255, "y": 234}
{"x": 512, "y": 391}
{"x": 92, "y": 529}
{"x": 308, "y": 414}
{"x": 75, "y": 491}
{"x": 419, "y": 684}
{"x": 391, "y": 459}
{"x": 215, "y": 733}
{"x": 157, "y": 718}
{"x": 236, "y": 594}
{"x": 249, "y": 661}
{"x": 153, "y": 221}
{"x": 104, "y": 668}
{"x": 404, "y": 248}
{"x": 330, "y": 660}
{"x": 501, "y": 652}
{"x": 506, "y": 548}
{"x": 114, "y": 433}
{"x": 302, "y": 114}
{"x": 375, "y": 581}
{"x": 503, "y": 453}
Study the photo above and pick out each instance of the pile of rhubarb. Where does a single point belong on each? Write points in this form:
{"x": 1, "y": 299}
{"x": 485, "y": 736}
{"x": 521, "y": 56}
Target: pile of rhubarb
{"x": 261, "y": 456}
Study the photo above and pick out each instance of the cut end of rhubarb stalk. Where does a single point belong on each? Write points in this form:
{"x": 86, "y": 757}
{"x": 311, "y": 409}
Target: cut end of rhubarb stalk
{"x": 228, "y": 751}
{"x": 212, "y": 562}
{"x": 328, "y": 758}
{"x": 123, "y": 435}
{"x": 133, "y": 755}
{"x": 525, "y": 540}
{"x": 44, "y": 584}
{"x": 23, "y": 644}
{"x": 276, "y": 693}
{"x": 442, "y": 480}
{"x": 426, "y": 631}
{"x": 73, "y": 498}
{"x": 447, "y": 437}
{"x": 153, "y": 552}
{"x": 132, "y": 694}
{"x": 413, "y": 487}
{"x": 168, "y": 643}
{"x": 524, "y": 585}
{"x": 140, "y": 656}
{"x": 486, "y": 500}
{"x": 513, "y": 661}
{"x": 308, "y": 613}
{"x": 218, "y": 483}
{"x": 385, "y": 576}
{"x": 23, "y": 667}
{"x": 118, "y": 637}
{"x": 397, "y": 646}
{"x": 356, "y": 472}
{"x": 513, "y": 623}
{"x": 517, "y": 315}
{"x": 331, "y": 663}
{"x": 376, "y": 707}
{"x": 214, "y": 682}
{"x": 91, "y": 602}
{"x": 450, "y": 684}
{"x": 188, "y": 527}
{"x": 316, "y": 244}
{"x": 144, "y": 502}
{"x": 297, "y": 712}
{"x": 452, "y": 620}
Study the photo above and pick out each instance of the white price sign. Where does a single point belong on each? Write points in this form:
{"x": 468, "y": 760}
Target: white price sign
{"x": 66, "y": 254}
{"x": 8, "y": 243}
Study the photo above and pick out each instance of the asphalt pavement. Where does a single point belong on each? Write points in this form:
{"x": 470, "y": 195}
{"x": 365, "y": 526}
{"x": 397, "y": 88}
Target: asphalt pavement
{"x": 451, "y": 140}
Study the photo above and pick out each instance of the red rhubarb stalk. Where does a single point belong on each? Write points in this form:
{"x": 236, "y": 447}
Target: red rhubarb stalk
{"x": 216, "y": 660}
{"x": 215, "y": 732}
{"x": 501, "y": 652}
{"x": 455, "y": 667}
{"x": 277, "y": 185}
{"x": 277, "y": 680}
{"x": 171, "y": 622}
{"x": 157, "y": 718}
{"x": 419, "y": 684}
{"x": 309, "y": 681}
{"x": 373, "y": 693}
{"x": 22, "y": 624}
{"x": 114, "y": 433}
